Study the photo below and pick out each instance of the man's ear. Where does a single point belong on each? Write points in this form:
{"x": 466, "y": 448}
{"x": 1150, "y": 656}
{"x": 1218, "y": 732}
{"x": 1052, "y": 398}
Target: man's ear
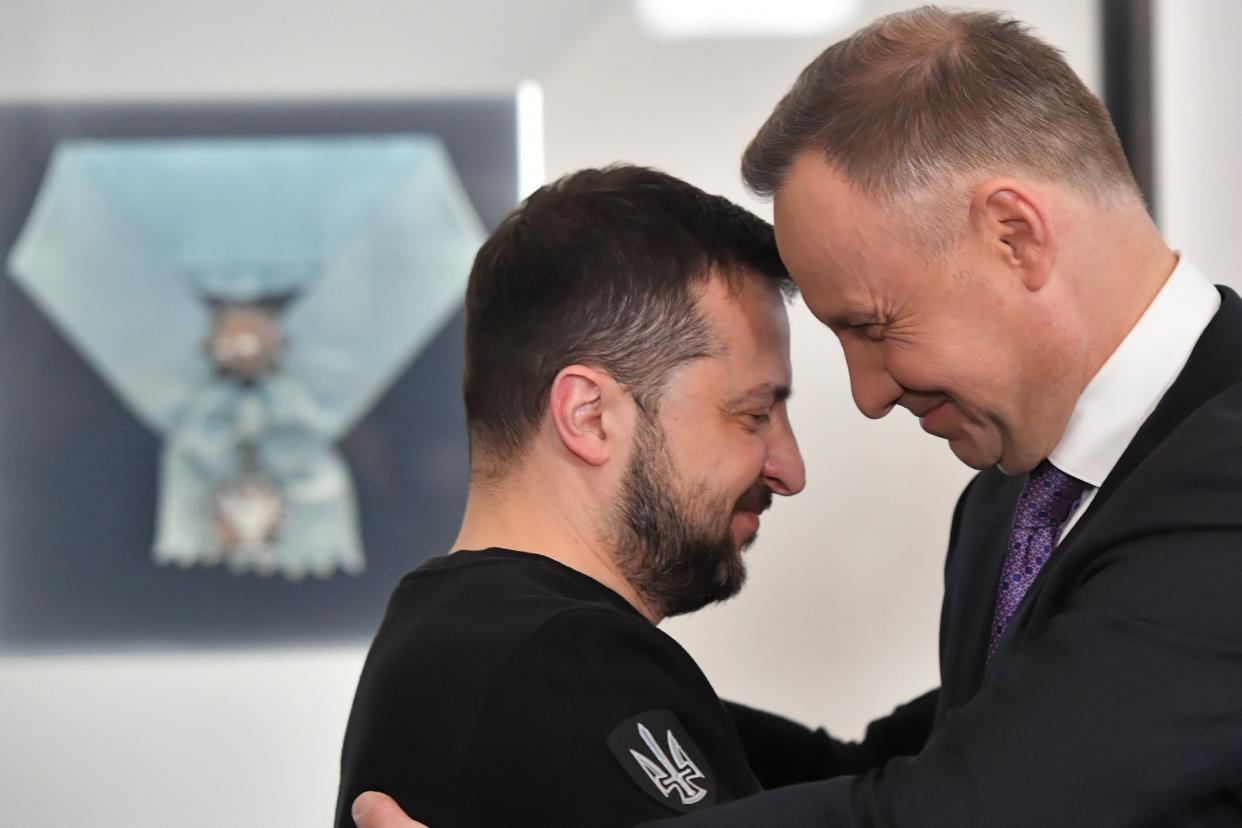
{"x": 1015, "y": 224}
{"x": 583, "y": 407}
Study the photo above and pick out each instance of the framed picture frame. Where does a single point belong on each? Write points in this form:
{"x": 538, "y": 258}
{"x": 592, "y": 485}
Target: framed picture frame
{"x": 80, "y": 474}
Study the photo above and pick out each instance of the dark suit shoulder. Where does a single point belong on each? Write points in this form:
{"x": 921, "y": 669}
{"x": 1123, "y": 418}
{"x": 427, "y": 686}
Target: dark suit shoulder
{"x": 1167, "y": 548}
{"x": 1192, "y": 480}
{"x": 1214, "y": 425}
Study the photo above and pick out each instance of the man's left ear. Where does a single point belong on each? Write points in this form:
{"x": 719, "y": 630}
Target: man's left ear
{"x": 1016, "y": 225}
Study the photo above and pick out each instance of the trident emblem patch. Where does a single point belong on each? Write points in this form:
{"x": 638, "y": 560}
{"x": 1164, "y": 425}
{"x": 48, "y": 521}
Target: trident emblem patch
{"x": 658, "y": 754}
{"x": 677, "y": 775}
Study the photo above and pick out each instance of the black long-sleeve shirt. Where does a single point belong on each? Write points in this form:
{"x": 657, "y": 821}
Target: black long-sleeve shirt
{"x": 504, "y": 688}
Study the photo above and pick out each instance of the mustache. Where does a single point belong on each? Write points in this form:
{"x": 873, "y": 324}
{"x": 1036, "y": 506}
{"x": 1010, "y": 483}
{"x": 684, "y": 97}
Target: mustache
{"x": 757, "y": 499}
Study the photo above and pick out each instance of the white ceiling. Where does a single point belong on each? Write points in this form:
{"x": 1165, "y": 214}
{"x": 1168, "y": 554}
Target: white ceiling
{"x": 258, "y": 48}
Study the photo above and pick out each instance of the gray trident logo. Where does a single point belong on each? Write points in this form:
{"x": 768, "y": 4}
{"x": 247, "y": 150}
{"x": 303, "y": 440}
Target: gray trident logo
{"x": 675, "y": 771}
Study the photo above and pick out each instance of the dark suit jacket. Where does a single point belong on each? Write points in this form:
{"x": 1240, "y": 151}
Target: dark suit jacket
{"x": 1116, "y": 696}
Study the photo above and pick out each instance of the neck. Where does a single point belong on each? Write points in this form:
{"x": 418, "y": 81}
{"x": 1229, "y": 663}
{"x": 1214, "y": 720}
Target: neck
{"x": 543, "y": 513}
{"x": 1119, "y": 284}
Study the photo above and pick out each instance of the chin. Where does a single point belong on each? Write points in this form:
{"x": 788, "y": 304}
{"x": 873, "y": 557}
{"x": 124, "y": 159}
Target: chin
{"x": 742, "y": 540}
{"x": 973, "y": 456}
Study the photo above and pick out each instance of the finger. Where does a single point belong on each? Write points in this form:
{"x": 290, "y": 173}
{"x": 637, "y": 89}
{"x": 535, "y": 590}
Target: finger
{"x": 377, "y": 810}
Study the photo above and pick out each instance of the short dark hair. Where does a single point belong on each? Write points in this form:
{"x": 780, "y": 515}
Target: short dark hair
{"x": 598, "y": 268}
{"x": 921, "y": 95}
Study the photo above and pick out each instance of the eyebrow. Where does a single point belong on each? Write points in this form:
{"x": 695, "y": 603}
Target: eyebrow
{"x": 778, "y": 393}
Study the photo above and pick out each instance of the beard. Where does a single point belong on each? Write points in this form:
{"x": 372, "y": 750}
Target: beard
{"x": 676, "y": 548}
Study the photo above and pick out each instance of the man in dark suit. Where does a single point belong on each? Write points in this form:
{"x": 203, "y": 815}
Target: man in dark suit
{"x": 954, "y": 204}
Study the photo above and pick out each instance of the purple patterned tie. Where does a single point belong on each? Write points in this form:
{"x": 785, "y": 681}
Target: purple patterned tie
{"x": 1045, "y": 505}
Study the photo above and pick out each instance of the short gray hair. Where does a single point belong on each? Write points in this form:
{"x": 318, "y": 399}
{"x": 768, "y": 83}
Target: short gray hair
{"x": 920, "y": 97}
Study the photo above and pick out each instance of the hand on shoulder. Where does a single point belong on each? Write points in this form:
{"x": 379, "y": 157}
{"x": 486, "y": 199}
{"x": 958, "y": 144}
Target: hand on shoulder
{"x": 377, "y": 810}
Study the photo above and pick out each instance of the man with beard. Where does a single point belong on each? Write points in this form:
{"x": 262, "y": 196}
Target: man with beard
{"x": 627, "y": 366}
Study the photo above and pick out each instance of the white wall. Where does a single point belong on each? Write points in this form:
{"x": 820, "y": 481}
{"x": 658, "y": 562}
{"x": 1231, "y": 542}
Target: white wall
{"x": 839, "y": 621}
{"x": 173, "y": 740}
{"x": 1199, "y": 132}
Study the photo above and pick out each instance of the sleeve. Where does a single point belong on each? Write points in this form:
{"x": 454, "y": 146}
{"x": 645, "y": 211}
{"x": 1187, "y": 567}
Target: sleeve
{"x": 1125, "y": 708}
{"x": 556, "y": 742}
{"x": 783, "y": 752}
{"x": 387, "y": 744}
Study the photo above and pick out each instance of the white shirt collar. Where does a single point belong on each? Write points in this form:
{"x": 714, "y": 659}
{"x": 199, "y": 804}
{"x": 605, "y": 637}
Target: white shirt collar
{"x": 1125, "y": 391}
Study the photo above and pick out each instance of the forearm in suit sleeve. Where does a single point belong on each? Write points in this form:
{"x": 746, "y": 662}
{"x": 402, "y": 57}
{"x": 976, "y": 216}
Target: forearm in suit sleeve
{"x": 783, "y": 752}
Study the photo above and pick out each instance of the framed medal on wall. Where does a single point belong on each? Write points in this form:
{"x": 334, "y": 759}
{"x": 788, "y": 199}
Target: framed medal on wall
{"x": 232, "y": 362}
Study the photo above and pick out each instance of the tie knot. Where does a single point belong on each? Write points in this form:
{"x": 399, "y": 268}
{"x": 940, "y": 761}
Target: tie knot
{"x": 1048, "y": 497}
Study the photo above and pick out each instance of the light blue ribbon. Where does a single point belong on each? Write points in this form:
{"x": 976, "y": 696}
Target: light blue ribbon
{"x": 372, "y": 237}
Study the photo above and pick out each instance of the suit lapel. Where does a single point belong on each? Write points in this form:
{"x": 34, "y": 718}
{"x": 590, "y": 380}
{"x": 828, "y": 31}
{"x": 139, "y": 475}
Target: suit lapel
{"x": 974, "y": 571}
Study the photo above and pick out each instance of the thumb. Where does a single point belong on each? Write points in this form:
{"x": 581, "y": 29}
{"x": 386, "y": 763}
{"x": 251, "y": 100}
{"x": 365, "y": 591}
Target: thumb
{"x": 377, "y": 810}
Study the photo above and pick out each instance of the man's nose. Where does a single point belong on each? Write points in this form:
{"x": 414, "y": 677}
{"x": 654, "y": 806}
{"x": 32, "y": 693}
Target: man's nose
{"x": 783, "y": 471}
{"x": 874, "y": 389}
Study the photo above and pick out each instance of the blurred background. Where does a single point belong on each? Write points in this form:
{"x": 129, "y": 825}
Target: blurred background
{"x": 839, "y": 620}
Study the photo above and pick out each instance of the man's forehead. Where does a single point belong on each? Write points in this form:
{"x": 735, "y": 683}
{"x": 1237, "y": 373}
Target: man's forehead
{"x": 823, "y": 230}
{"x": 747, "y": 293}
{"x": 815, "y": 222}
{"x": 811, "y": 182}
{"x": 750, "y": 323}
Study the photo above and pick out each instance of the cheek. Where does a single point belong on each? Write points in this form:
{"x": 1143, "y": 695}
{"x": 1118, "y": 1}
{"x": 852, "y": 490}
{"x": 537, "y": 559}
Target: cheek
{"x": 750, "y": 463}
{"x": 961, "y": 374}
{"x": 719, "y": 454}
{"x": 736, "y": 460}
{"x": 928, "y": 365}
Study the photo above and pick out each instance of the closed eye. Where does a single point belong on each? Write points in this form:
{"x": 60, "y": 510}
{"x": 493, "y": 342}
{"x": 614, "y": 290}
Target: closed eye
{"x": 873, "y": 331}
{"x": 754, "y": 420}
{"x": 754, "y": 408}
